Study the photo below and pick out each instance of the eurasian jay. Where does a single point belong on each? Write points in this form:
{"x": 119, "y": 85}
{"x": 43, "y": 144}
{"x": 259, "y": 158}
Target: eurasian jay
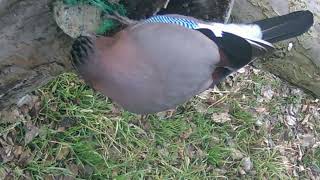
{"x": 162, "y": 62}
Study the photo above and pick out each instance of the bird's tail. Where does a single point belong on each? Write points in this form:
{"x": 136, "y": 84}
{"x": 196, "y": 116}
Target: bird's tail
{"x": 284, "y": 27}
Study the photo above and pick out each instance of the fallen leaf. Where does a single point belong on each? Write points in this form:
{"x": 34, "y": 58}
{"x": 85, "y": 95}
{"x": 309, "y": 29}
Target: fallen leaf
{"x": 27, "y": 175}
{"x": 221, "y": 117}
{"x": 201, "y": 108}
{"x": 205, "y": 95}
{"x": 307, "y": 140}
{"x": 217, "y": 170}
{"x": 261, "y": 110}
{"x": 256, "y": 71}
{"x": 66, "y": 123}
{"x": 49, "y": 177}
{"x": 267, "y": 92}
{"x": 3, "y": 172}
{"x": 236, "y": 154}
{"x": 162, "y": 115}
{"x": 164, "y": 152}
{"x": 18, "y": 151}
{"x": 11, "y": 116}
{"x": 32, "y": 132}
{"x": 6, "y": 154}
{"x": 166, "y": 114}
{"x": 34, "y": 112}
{"x": 25, "y": 100}
{"x": 9, "y": 177}
{"x": 304, "y": 108}
{"x": 25, "y": 158}
{"x": 141, "y": 132}
{"x": 181, "y": 153}
{"x": 3, "y": 142}
{"x": 185, "y": 135}
{"x": 86, "y": 171}
{"x": 63, "y": 152}
{"x": 306, "y": 119}
{"x": 67, "y": 177}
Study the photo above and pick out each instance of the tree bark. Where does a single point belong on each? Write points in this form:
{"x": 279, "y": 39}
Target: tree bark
{"x": 301, "y": 65}
{"x": 33, "y": 49}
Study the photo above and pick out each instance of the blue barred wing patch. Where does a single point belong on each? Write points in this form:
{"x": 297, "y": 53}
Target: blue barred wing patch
{"x": 173, "y": 20}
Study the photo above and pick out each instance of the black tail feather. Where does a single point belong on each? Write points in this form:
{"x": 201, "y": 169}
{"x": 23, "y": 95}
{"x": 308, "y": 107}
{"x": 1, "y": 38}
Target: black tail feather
{"x": 287, "y": 26}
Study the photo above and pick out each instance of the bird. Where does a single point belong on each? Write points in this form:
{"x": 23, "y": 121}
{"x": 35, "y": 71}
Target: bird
{"x": 163, "y": 61}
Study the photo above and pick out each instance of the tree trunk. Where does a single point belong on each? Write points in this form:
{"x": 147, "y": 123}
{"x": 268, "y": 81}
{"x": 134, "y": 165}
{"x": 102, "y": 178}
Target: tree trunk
{"x": 33, "y": 49}
{"x": 301, "y": 65}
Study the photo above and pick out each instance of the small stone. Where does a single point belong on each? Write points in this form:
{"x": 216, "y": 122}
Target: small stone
{"x": 247, "y": 164}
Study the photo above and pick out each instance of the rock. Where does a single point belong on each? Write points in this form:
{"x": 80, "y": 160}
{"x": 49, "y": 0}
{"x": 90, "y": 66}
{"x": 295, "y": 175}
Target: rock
{"x": 247, "y": 164}
{"x": 78, "y": 19}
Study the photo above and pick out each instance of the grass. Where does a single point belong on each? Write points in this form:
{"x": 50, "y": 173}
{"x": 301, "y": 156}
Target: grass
{"x": 83, "y": 135}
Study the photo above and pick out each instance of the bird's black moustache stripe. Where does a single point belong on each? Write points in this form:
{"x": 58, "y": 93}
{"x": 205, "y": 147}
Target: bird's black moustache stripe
{"x": 80, "y": 51}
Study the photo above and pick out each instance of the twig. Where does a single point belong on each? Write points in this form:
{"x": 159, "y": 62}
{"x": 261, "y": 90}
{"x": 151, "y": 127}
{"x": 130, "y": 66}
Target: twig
{"x": 166, "y": 4}
{"x": 121, "y": 19}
